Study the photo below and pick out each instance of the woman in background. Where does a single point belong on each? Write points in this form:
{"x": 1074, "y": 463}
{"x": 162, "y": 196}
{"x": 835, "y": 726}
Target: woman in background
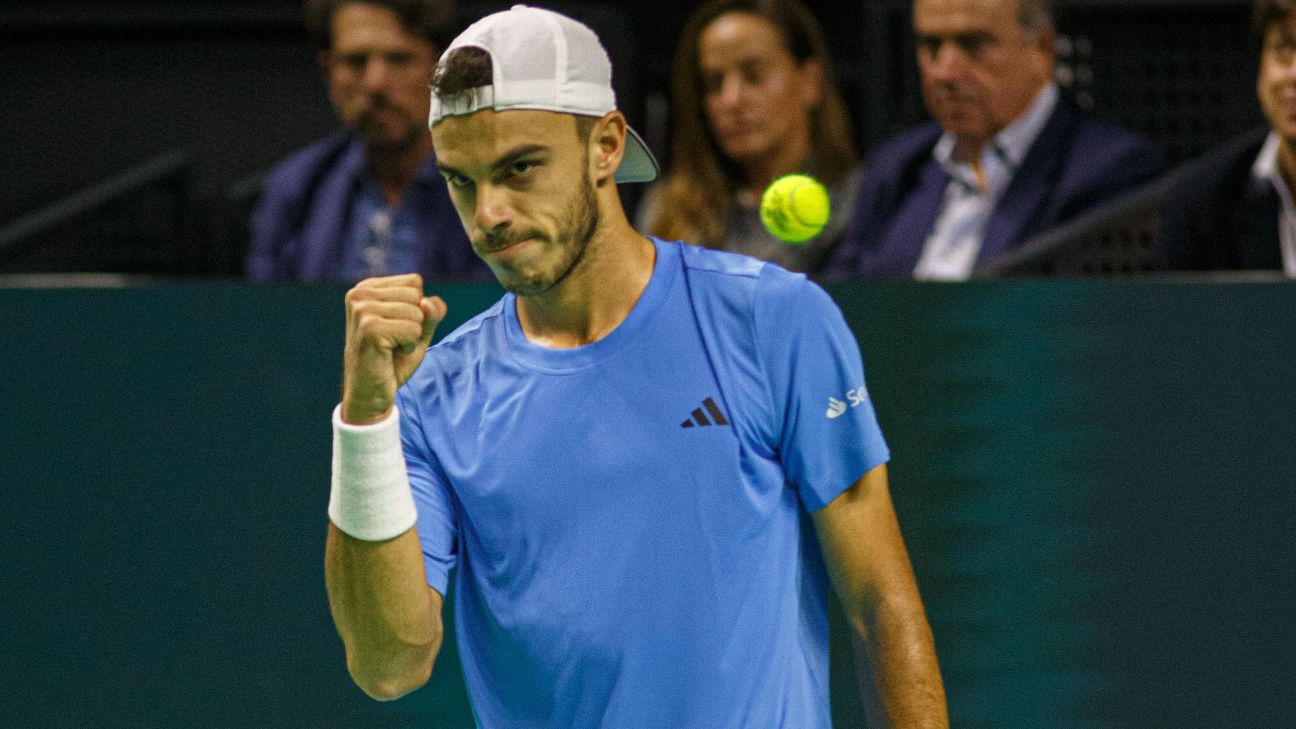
{"x": 753, "y": 99}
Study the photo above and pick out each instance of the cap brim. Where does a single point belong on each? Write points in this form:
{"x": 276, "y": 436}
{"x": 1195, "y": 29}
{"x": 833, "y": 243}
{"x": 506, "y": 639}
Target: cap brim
{"x": 638, "y": 164}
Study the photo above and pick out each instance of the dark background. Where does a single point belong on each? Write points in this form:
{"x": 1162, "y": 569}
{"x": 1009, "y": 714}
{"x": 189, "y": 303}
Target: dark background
{"x": 93, "y": 89}
{"x": 1094, "y": 479}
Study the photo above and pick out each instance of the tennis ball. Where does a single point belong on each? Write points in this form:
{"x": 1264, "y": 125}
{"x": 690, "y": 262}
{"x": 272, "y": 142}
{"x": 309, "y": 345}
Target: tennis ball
{"x": 795, "y": 208}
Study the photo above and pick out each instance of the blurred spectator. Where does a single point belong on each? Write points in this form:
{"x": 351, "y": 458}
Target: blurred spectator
{"x": 367, "y": 200}
{"x": 1006, "y": 157}
{"x": 1236, "y": 211}
{"x": 753, "y": 99}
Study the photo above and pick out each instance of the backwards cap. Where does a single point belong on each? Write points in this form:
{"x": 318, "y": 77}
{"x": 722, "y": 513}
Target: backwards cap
{"x": 546, "y": 61}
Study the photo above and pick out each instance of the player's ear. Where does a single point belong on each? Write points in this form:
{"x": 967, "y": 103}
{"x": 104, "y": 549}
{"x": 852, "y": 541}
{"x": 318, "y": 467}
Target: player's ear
{"x": 607, "y": 146}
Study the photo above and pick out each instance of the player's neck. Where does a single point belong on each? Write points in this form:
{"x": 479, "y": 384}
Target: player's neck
{"x": 600, "y": 291}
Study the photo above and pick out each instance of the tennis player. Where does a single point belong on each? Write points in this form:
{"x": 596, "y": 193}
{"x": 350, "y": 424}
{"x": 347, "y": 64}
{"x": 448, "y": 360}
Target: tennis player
{"x": 643, "y": 467}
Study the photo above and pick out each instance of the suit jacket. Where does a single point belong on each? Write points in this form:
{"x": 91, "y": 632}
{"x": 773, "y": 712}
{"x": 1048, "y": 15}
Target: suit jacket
{"x": 1075, "y": 163}
{"x": 1220, "y": 217}
{"x": 301, "y": 223}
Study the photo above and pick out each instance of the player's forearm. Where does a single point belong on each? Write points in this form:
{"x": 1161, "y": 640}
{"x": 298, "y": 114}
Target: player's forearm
{"x": 388, "y": 618}
{"x": 899, "y": 674}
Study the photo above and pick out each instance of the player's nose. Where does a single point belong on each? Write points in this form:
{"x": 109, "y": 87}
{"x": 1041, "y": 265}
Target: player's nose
{"x": 492, "y": 212}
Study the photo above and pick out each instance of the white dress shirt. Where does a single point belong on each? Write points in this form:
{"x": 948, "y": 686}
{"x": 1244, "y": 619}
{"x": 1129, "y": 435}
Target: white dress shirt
{"x": 951, "y": 250}
{"x": 1266, "y": 169}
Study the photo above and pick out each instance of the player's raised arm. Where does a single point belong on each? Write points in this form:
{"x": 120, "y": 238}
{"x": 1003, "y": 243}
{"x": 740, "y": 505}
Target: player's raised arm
{"x": 895, "y": 654}
{"x": 388, "y": 617}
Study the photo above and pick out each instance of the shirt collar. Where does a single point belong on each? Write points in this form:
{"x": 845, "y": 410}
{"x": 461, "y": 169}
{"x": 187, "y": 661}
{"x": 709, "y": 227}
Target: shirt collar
{"x": 1265, "y": 168}
{"x": 1266, "y": 171}
{"x": 1013, "y": 141}
{"x": 353, "y": 159}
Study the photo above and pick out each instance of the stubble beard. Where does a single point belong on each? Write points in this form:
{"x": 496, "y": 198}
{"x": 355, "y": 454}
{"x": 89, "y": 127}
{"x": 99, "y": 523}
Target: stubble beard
{"x": 580, "y": 222}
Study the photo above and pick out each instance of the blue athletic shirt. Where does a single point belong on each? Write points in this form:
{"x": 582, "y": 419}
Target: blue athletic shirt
{"x": 628, "y": 518}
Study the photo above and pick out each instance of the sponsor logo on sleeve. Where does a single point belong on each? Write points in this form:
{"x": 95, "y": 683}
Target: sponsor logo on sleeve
{"x": 854, "y": 398}
{"x": 835, "y": 408}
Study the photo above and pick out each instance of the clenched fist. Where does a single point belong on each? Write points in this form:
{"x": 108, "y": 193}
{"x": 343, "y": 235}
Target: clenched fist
{"x": 388, "y": 328}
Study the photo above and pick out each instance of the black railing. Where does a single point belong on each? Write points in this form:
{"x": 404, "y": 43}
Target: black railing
{"x": 139, "y": 221}
{"x": 1115, "y": 239}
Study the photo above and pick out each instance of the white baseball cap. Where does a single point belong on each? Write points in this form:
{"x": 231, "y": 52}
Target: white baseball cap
{"x": 546, "y": 61}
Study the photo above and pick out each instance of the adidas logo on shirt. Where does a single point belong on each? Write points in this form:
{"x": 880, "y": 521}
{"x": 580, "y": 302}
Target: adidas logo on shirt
{"x": 703, "y": 419}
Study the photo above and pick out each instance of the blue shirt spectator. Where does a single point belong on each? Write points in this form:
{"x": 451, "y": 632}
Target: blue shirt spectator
{"x": 367, "y": 201}
{"x": 316, "y": 221}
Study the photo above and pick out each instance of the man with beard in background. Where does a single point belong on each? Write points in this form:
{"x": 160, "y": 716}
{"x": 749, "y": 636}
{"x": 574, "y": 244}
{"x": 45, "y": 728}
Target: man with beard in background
{"x": 367, "y": 200}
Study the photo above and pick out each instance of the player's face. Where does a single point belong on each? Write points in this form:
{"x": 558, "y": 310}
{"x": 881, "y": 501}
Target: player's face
{"x": 980, "y": 69}
{"x": 521, "y": 183}
{"x": 1276, "y": 85}
{"x": 378, "y": 73}
{"x": 757, "y": 97}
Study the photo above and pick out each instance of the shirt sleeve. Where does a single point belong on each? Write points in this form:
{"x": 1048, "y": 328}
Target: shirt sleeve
{"x": 437, "y": 522}
{"x": 827, "y": 431}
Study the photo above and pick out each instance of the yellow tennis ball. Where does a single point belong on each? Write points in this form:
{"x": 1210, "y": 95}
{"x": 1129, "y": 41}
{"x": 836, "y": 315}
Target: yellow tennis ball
{"x": 795, "y": 208}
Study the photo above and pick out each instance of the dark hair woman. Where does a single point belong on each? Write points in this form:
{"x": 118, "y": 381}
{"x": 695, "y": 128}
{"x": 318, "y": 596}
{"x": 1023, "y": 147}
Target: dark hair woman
{"x": 753, "y": 99}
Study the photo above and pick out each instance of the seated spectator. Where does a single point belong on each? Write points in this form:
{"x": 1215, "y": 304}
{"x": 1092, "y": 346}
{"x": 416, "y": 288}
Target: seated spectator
{"x": 367, "y": 200}
{"x": 753, "y": 99}
{"x": 1006, "y": 157}
{"x": 1236, "y": 212}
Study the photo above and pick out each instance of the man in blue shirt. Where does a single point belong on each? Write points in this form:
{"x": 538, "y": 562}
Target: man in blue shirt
{"x": 645, "y": 464}
{"x": 366, "y": 201}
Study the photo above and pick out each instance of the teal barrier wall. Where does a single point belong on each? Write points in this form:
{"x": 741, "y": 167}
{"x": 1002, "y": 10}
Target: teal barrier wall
{"x": 1094, "y": 479}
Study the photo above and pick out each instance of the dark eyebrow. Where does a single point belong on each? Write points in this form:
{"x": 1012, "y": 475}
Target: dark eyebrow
{"x": 513, "y": 155}
{"x": 503, "y": 161}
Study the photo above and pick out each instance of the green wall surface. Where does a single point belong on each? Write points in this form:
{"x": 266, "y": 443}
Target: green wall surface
{"x": 1094, "y": 479}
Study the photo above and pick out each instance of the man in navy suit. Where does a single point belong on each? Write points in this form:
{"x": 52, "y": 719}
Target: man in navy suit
{"x": 1235, "y": 210}
{"x": 1006, "y": 157}
{"x": 368, "y": 200}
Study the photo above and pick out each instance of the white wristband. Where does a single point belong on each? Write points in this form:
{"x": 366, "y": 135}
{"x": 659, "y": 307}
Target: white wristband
{"x": 370, "y": 498}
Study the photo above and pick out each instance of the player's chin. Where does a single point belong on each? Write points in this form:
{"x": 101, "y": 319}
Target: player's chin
{"x": 526, "y": 275}
{"x": 522, "y": 282}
